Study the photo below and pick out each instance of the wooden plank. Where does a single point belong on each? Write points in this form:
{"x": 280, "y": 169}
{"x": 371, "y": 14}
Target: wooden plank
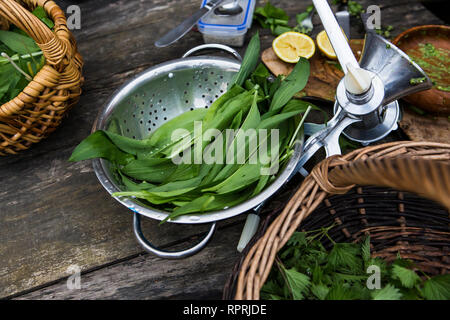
{"x": 147, "y": 277}
{"x": 54, "y": 213}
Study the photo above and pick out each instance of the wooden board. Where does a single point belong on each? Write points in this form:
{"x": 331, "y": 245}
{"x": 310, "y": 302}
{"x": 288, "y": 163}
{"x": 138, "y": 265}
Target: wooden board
{"x": 425, "y": 128}
{"x": 325, "y": 73}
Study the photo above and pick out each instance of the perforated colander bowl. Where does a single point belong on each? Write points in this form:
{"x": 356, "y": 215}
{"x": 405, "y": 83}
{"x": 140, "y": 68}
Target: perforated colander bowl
{"x": 157, "y": 95}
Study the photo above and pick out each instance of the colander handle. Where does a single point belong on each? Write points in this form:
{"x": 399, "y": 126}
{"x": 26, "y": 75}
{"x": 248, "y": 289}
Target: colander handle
{"x": 168, "y": 254}
{"x": 216, "y": 46}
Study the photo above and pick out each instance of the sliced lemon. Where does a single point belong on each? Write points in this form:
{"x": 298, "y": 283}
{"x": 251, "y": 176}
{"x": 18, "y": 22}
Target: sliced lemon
{"x": 324, "y": 44}
{"x": 290, "y": 46}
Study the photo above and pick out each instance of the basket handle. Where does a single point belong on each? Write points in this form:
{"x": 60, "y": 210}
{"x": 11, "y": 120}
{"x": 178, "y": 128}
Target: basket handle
{"x": 54, "y": 45}
{"x": 429, "y": 178}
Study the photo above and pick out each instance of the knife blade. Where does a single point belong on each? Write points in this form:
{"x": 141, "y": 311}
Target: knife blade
{"x": 184, "y": 27}
{"x": 343, "y": 19}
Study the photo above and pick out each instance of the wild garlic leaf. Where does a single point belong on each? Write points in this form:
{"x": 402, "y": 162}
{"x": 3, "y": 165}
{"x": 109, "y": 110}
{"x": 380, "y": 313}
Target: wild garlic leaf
{"x": 263, "y": 181}
{"x": 389, "y": 292}
{"x": 145, "y": 195}
{"x": 209, "y": 202}
{"x": 134, "y": 186}
{"x": 18, "y": 43}
{"x": 155, "y": 170}
{"x": 249, "y": 62}
{"x": 243, "y": 177}
{"x": 293, "y": 83}
{"x": 407, "y": 277}
{"x": 232, "y": 92}
{"x": 437, "y": 288}
{"x": 164, "y": 134}
{"x": 98, "y": 145}
{"x": 9, "y": 78}
{"x": 128, "y": 145}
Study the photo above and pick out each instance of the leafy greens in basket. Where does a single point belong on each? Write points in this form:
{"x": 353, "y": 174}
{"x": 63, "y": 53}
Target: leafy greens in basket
{"x": 306, "y": 270}
{"x": 147, "y": 169}
{"x": 24, "y": 54}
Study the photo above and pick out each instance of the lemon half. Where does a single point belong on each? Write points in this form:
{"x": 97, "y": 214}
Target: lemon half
{"x": 290, "y": 46}
{"x": 324, "y": 44}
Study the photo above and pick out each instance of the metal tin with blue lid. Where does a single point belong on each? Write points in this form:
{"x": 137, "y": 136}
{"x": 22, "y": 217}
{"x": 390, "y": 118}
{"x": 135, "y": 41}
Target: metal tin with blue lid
{"x": 228, "y": 29}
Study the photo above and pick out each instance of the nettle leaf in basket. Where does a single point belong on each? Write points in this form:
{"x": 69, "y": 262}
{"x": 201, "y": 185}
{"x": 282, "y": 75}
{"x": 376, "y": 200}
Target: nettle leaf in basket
{"x": 320, "y": 291}
{"x": 18, "y": 43}
{"x": 407, "y": 277}
{"x": 340, "y": 292}
{"x": 298, "y": 283}
{"x": 389, "y": 292}
{"x": 437, "y": 288}
{"x": 345, "y": 256}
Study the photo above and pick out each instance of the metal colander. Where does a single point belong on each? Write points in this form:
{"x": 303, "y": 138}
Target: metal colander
{"x": 157, "y": 95}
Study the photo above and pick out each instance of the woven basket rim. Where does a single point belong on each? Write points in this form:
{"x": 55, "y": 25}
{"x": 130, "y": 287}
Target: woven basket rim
{"x": 38, "y": 109}
{"x": 257, "y": 260}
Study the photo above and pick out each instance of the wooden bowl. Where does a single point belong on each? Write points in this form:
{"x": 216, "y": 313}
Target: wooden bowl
{"x": 433, "y": 100}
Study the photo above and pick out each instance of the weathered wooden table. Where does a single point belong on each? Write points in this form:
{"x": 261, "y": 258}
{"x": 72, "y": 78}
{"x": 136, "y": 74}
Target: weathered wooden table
{"x": 55, "y": 214}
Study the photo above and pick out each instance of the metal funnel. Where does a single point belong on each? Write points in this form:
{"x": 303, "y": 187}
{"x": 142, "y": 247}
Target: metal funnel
{"x": 393, "y": 66}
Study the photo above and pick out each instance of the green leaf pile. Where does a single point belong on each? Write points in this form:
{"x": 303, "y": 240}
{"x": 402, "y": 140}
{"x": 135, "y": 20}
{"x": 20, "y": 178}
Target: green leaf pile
{"x": 276, "y": 19}
{"x": 147, "y": 168}
{"x": 306, "y": 270}
{"x": 25, "y": 53}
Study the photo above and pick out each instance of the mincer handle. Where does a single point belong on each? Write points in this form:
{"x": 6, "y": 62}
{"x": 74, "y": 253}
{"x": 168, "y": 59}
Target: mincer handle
{"x": 338, "y": 41}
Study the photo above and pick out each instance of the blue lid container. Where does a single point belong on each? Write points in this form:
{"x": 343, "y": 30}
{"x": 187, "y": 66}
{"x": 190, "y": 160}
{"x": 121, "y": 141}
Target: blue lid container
{"x": 229, "y": 30}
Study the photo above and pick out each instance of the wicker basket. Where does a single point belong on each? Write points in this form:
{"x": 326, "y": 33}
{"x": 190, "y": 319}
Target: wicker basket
{"x": 40, "y": 107}
{"x": 397, "y": 221}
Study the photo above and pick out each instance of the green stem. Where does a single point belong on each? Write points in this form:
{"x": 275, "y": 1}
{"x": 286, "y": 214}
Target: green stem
{"x": 299, "y": 126}
{"x": 25, "y": 56}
